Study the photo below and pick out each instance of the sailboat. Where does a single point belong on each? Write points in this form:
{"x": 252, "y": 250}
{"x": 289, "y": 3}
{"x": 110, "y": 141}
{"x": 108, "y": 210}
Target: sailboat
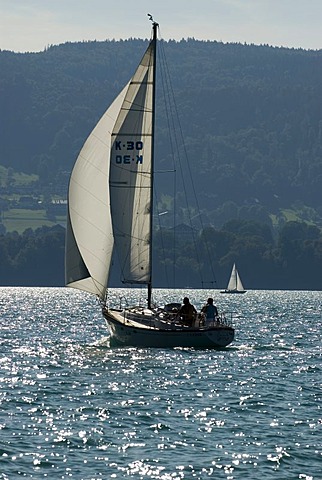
{"x": 235, "y": 284}
{"x": 110, "y": 206}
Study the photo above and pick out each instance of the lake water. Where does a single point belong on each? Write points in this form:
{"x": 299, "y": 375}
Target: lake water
{"x": 72, "y": 407}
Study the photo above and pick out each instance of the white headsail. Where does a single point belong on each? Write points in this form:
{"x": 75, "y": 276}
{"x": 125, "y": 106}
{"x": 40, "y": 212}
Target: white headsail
{"x": 89, "y": 238}
{"x": 109, "y": 198}
{"x": 240, "y": 286}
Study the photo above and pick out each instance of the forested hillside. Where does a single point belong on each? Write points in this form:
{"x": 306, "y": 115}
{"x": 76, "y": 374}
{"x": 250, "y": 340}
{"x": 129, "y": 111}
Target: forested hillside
{"x": 251, "y": 115}
{"x": 251, "y": 118}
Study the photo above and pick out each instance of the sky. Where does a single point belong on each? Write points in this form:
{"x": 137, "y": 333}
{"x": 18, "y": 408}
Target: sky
{"x": 33, "y": 25}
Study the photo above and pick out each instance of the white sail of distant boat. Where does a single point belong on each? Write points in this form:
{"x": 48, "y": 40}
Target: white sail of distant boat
{"x": 110, "y": 206}
{"x": 235, "y": 284}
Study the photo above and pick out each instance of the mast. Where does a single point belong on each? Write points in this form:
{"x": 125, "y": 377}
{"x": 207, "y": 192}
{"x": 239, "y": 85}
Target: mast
{"x": 154, "y": 39}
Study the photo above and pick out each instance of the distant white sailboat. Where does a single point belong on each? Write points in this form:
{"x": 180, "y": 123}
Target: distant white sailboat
{"x": 235, "y": 284}
{"x": 110, "y": 206}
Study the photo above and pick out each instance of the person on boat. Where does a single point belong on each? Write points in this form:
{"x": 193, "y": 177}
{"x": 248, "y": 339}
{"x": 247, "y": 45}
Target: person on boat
{"x": 187, "y": 312}
{"x": 210, "y": 311}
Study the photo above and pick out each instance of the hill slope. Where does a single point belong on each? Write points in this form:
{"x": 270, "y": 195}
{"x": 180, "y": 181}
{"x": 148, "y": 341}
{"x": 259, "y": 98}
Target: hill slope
{"x": 251, "y": 117}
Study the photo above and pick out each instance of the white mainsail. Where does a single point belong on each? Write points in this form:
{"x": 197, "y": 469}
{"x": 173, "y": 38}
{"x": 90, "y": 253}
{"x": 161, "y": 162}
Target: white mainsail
{"x": 89, "y": 238}
{"x": 131, "y": 174}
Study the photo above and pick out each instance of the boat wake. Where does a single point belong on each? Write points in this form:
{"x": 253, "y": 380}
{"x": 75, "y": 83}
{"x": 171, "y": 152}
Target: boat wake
{"x": 102, "y": 342}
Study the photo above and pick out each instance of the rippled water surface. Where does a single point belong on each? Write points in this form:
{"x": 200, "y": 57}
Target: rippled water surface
{"x": 72, "y": 407}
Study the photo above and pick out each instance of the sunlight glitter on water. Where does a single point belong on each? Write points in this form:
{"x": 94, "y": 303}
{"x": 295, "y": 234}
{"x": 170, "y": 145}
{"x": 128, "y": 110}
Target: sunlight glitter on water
{"x": 71, "y": 407}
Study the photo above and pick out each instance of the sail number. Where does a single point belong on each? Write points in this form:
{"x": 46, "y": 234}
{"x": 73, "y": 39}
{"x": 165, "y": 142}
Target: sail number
{"x": 128, "y": 146}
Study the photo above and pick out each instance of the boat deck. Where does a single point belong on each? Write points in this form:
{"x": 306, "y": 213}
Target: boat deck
{"x": 144, "y": 319}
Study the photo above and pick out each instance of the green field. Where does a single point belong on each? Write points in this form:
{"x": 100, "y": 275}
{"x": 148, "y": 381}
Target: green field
{"x": 17, "y": 178}
{"x": 19, "y": 219}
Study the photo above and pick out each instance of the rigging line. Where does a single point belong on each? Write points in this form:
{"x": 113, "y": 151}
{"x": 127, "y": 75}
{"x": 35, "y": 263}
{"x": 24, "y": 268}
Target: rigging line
{"x": 175, "y": 120}
{"x": 162, "y": 237}
{"x": 167, "y": 105}
{"x": 174, "y": 146}
{"x": 174, "y": 140}
{"x": 174, "y": 217}
{"x": 191, "y": 178}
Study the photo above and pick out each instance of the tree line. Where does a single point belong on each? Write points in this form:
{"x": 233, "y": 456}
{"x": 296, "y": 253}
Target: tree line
{"x": 292, "y": 260}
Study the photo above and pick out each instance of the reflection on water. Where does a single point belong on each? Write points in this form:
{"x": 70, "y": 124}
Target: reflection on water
{"x": 72, "y": 407}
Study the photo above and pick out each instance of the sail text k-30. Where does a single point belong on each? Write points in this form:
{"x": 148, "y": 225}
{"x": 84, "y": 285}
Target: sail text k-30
{"x": 128, "y": 145}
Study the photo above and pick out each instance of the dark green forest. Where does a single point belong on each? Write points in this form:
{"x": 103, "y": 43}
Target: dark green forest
{"x": 252, "y": 123}
{"x": 293, "y": 261}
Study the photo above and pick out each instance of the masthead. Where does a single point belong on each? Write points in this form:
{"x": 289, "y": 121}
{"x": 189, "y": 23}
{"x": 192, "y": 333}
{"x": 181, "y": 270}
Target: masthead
{"x": 155, "y": 24}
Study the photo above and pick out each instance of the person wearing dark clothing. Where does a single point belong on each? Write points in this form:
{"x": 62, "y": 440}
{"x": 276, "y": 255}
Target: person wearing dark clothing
{"x": 187, "y": 312}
